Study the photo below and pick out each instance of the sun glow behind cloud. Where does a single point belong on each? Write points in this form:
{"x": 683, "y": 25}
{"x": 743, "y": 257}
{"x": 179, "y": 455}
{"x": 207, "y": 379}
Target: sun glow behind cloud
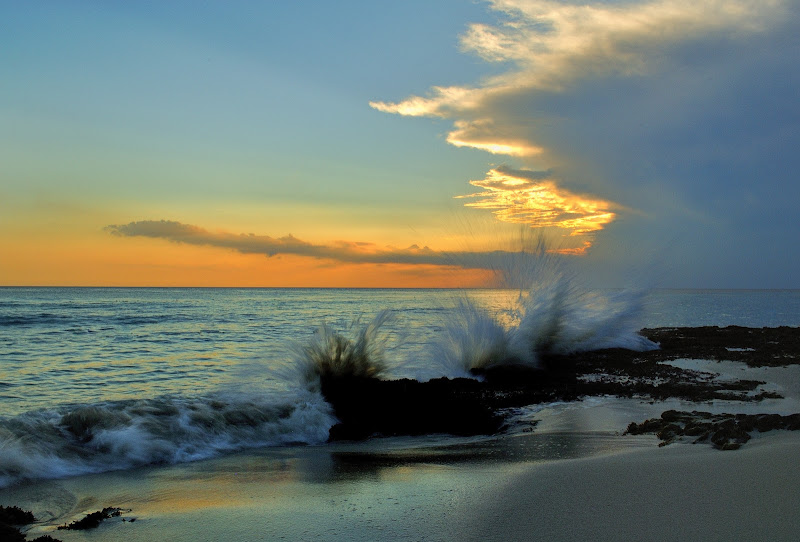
{"x": 533, "y": 198}
{"x": 678, "y": 118}
{"x": 552, "y": 48}
{"x": 411, "y": 266}
{"x": 482, "y": 135}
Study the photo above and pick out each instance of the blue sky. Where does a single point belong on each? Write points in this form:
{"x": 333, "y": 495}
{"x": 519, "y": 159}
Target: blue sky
{"x": 657, "y": 140}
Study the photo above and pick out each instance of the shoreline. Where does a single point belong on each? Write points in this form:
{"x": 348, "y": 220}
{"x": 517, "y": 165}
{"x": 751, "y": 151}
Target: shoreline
{"x": 366, "y": 405}
{"x": 682, "y": 491}
{"x": 568, "y": 472}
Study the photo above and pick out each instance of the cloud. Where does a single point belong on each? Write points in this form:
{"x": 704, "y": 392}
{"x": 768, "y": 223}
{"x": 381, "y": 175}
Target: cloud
{"x": 532, "y": 197}
{"x": 485, "y": 135}
{"x": 340, "y": 251}
{"x": 551, "y": 45}
{"x": 680, "y": 116}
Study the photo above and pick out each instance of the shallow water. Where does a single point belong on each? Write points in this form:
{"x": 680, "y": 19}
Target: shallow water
{"x": 97, "y": 379}
{"x": 84, "y": 345}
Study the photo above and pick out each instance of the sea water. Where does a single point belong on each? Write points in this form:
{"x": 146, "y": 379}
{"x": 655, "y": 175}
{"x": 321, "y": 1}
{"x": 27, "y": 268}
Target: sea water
{"x": 97, "y": 379}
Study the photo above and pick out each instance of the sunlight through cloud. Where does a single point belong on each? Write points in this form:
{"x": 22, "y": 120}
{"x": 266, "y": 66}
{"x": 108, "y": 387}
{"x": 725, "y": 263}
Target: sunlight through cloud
{"x": 482, "y": 134}
{"x": 533, "y": 198}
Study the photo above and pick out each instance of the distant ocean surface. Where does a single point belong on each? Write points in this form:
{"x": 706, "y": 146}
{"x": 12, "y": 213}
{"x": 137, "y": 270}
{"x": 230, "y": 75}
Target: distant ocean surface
{"x": 93, "y": 379}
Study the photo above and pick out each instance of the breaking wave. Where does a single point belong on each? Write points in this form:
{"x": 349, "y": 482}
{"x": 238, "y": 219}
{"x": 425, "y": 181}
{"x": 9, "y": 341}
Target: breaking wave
{"x": 359, "y": 351}
{"x": 551, "y": 314}
{"x": 540, "y": 311}
{"x": 121, "y": 435}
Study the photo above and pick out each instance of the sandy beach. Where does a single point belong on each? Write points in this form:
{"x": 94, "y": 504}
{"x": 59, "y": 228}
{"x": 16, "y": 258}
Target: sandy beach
{"x": 628, "y": 489}
{"x": 681, "y": 492}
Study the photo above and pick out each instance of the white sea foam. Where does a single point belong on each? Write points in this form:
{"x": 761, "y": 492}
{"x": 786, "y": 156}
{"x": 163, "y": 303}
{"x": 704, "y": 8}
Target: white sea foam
{"x": 120, "y": 435}
{"x": 552, "y": 314}
{"x": 357, "y": 351}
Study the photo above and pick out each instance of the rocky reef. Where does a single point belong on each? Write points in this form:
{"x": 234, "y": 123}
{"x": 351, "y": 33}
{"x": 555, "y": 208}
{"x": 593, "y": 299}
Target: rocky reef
{"x": 724, "y": 431}
{"x": 92, "y": 520}
{"x": 369, "y": 406}
{"x": 13, "y": 517}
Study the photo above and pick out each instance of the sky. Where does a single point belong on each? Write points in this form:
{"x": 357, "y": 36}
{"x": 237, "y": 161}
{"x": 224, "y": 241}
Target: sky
{"x": 399, "y": 144}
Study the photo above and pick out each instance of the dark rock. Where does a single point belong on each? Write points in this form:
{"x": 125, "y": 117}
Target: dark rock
{"x": 768, "y": 422}
{"x": 368, "y": 406}
{"x": 93, "y": 520}
{"x": 9, "y": 533}
{"x": 726, "y": 431}
{"x": 672, "y": 415}
{"x": 13, "y": 515}
{"x": 669, "y": 432}
{"x": 694, "y": 429}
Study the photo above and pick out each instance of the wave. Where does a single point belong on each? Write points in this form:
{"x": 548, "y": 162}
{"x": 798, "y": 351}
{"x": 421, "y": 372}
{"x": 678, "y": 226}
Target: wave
{"x": 551, "y": 315}
{"x": 65, "y": 318}
{"x": 548, "y": 313}
{"x": 125, "y": 434}
{"x": 32, "y": 320}
{"x": 357, "y": 352}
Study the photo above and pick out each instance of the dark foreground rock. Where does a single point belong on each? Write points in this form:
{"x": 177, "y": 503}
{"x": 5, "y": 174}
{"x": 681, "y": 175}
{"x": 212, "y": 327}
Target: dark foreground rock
{"x": 11, "y": 518}
{"x": 757, "y": 347}
{"x": 368, "y": 406}
{"x": 724, "y": 431}
{"x": 93, "y": 520}
{"x": 13, "y": 515}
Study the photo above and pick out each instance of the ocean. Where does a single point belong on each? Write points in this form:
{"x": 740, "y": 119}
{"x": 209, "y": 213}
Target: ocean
{"x": 101, "y": 379}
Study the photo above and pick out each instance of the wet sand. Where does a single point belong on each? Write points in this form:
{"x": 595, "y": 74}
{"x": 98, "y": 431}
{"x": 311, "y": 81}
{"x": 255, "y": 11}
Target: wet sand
{"x": 679, "y": 492}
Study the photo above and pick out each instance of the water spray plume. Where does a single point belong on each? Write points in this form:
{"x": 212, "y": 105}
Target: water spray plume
{"x": 471, "y": 339}
{"x": 552, "y": 314}
{"x": 333, "y": 354}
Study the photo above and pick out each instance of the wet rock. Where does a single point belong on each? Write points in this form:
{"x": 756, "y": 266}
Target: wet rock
{"x": 725, "y": 431}
{"x": 757, "y": 347}
{"x": 93, "y": 520}
{"x": 669, "y": 432}
{"x": 13, "y": 515}
{"x": 9, "y": 533}
{"x": 10, "y": 517}
{"x": 369, "y": 406}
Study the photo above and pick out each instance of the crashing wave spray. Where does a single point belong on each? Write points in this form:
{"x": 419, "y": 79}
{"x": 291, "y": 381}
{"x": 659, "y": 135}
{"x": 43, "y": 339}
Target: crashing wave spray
{"x": 119, "y": 435}
{"x": 551, "y": 314}
{"x": 359, "y": 352}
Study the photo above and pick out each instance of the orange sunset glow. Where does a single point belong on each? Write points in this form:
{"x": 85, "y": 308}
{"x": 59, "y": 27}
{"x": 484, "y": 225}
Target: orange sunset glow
{"x": 146, "y": 145}
{"x": 533, "y": 198}
{"x": 146, "y": 262}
